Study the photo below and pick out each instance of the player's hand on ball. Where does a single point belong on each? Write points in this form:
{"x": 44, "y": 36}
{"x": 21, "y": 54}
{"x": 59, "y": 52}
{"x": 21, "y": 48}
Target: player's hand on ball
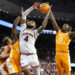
{"x": 50, "y": 6}
{"x": 36, "y": 5}
{"x": 48, "y": 11}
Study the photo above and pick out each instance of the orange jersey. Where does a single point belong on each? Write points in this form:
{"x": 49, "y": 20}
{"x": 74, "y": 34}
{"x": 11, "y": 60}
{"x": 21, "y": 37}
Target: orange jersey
{"x": 15, "y": 52}
{"x": 62, "y": 42}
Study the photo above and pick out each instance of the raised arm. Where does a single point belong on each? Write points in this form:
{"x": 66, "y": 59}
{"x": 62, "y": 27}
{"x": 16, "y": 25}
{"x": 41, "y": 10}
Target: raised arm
{"x": 72, "y": 34}
{"x": 14, "y": 31}
{"x": 44, "y": 23}
{"x": 55, "y": 25}
{"x": 26, "y": 12}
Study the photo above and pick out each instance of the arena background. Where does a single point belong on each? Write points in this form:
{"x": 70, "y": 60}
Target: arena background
{"x": 64, "y": 11}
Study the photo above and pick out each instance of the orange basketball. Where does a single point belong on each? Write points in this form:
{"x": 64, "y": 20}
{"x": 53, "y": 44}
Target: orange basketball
{"x": 44, "y": 7}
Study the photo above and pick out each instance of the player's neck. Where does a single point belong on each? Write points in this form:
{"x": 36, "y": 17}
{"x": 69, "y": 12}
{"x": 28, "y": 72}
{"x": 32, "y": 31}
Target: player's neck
{"x": 64, "y": 31}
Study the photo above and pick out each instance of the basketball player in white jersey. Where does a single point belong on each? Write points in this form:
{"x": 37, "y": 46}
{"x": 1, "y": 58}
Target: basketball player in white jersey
{"x": 28, "y": 37}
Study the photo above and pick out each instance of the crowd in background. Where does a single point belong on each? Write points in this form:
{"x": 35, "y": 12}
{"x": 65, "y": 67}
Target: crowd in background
{"x": 48, "y": 68}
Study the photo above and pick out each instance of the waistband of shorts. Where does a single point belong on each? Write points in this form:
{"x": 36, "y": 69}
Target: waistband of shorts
{"x": 27, "y": 53}
{"x": 62, "y": 52}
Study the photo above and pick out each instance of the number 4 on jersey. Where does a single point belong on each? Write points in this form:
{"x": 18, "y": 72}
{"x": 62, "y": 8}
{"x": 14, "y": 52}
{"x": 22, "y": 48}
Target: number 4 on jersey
{"x": 26, "y": 38}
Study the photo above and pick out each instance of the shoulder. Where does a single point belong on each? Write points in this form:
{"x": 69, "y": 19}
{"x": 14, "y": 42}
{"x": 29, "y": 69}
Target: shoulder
{"x": 7, "y": 48}
{"x": 59, "y": 31}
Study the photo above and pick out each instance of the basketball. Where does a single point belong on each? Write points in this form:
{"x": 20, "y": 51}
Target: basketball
{"x": 44, "y": 7}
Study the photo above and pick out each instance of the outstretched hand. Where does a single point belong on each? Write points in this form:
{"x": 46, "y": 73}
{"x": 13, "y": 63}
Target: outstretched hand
{"x": 36, "y": 5}
{"x": 22, "y": 10}
{"x": 49, "y": 10}
{"x": 50, "y": 6}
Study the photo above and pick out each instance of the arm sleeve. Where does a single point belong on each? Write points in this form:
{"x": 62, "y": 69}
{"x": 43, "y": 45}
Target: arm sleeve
{"x": 24, "y": 14}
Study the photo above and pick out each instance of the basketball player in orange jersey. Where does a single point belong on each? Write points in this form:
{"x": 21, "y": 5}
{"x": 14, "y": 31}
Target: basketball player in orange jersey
{"x": 4, "y": 54}
{"x": 13, "y": 62}
{"x": 63, "y": 39}
{"x": 28, "y": 37}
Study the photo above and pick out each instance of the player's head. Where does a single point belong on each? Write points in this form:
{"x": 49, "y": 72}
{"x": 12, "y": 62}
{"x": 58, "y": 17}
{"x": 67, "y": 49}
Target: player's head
{"x": 31, "y": 24}
{"x": 6, "y": 41}
{"x": 66, "y": 28}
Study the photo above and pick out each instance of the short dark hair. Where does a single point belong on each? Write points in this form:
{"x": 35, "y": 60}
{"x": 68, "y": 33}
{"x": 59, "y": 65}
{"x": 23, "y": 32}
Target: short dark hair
{"x": 5, "y": 40}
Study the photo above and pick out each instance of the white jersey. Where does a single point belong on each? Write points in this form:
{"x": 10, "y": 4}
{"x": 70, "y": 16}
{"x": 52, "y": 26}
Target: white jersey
{"x": 27, "y": 40}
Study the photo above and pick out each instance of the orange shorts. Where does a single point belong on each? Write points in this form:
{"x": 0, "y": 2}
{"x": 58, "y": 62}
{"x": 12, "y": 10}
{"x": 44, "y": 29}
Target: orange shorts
{"x": 12, "y": 66}
{"x": 63, "y": 62}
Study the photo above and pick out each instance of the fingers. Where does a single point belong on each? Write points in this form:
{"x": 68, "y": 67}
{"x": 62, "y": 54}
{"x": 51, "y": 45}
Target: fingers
{"x": 36, "y": 5}
{"x": 49, "y": 10}
{"x": 22, "y": 10}
{"x": 50, "y": 6}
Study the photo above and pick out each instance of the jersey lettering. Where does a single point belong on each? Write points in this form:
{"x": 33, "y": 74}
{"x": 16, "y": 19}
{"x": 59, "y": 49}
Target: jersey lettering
{"x": 60, "y": 38}
{"x": 26, "y": 39}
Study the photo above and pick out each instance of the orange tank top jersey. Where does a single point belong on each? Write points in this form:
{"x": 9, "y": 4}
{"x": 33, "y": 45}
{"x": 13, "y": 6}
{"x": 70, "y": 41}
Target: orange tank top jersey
{"x": 15, "y": 52}
{"x": 62, "y": 42}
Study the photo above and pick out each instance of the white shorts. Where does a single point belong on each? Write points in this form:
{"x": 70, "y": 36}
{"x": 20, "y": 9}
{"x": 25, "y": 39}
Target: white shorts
{"x": 2, "y": 70}
{"x": 28, "y": 61}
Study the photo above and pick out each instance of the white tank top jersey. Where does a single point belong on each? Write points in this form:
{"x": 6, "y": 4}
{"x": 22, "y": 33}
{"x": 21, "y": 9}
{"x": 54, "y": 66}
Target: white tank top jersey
{"x": 27, "y": 40}
{"x": 27, "y": 37}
